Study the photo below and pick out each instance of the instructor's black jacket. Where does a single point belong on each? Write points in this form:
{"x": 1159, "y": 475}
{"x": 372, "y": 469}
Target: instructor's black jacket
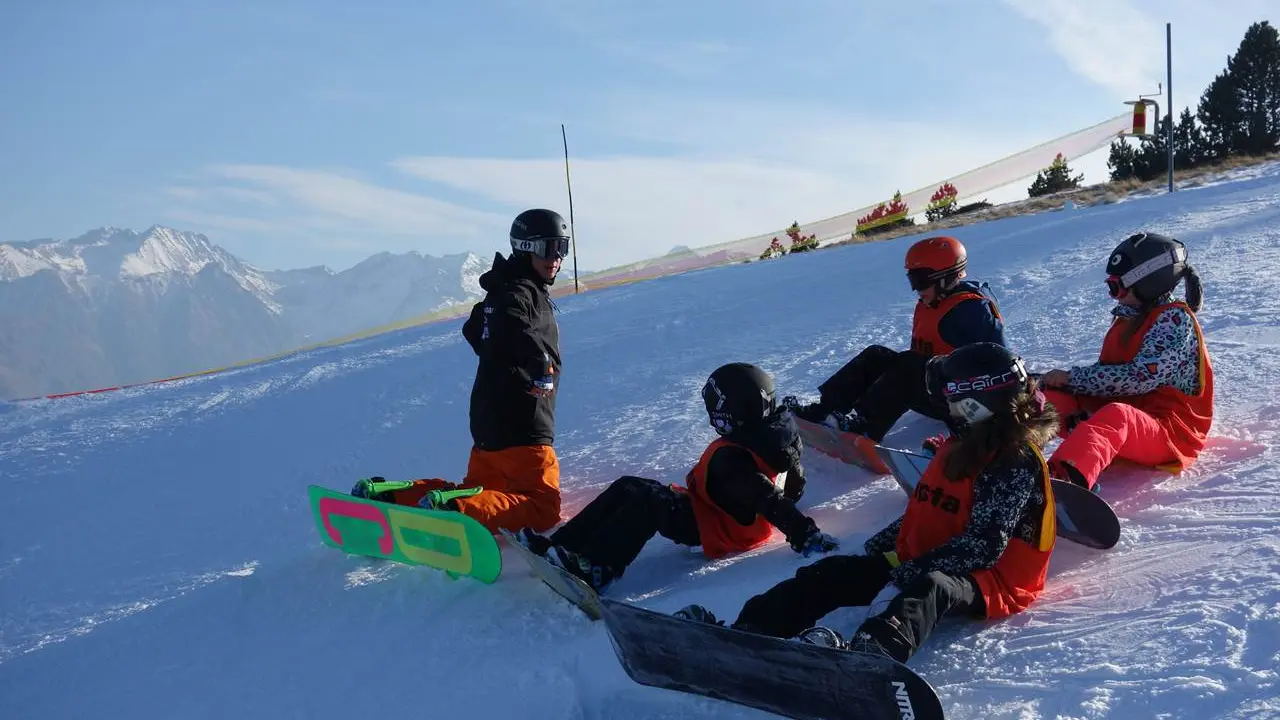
{"x": 514, "y": 333}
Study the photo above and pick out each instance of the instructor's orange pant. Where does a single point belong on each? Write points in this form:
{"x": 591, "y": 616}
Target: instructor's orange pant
{"x": 521, "y": 488}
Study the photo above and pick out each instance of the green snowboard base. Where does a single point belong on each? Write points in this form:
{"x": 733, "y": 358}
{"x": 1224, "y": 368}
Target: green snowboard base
{"x": 442, "y": 539}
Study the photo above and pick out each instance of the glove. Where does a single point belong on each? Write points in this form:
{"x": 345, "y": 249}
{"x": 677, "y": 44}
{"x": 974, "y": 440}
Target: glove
{"x": 933, "y": 380}
{"x": 900, "y": 573}
{"x": 794, "y": 488}
{"x": 816, "y": 542}
{"x": 1075, "y": 419}
{"x": 931, "y": 444}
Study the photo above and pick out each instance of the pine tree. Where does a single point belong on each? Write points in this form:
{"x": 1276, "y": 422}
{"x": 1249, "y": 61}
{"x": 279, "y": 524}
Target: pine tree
{"x": 1153, "y": 155}
{"x": 1188, "y": 142}
{"x": 1256, "y": 71}
{"x": 1121, "y": 160}
{"x": 1055, "y": 178}
{"x": 1219, "y": 114}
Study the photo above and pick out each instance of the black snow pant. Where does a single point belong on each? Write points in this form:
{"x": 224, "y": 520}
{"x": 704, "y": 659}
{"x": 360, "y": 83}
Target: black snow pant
{"x": 614, "y": 527}
{"x": 795, "y": 605}
{"x": 881, "y": 385}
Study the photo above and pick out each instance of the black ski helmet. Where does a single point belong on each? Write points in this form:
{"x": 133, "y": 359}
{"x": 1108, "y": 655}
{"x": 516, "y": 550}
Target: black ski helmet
{"x": 736, "y": 394}
{"x": 540, "y": 232}
{"x": 979, "y": 380}
{"x": 1149, "y": 265}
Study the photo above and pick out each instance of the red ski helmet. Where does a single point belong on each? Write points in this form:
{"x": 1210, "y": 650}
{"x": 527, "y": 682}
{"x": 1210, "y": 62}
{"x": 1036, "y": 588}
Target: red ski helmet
{"x": 933, "y": 260}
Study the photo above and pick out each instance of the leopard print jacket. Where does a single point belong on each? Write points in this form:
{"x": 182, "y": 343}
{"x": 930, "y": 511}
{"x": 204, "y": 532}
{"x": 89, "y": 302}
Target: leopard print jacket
{"x": 1170, "y": 355}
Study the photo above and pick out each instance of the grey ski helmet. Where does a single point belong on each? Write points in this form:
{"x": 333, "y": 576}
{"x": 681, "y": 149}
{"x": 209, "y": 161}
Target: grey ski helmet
{"x": 540, "y": 232}
{"x": 1149, "y": 265}
{"x": 736, "y": 394}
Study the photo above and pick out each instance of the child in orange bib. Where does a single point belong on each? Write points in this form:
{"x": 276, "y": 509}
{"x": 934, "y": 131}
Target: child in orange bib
{"x": 871, "y": 392}
{"x": 976, "y": 536}
{"x": 1149, "y": 398}
{"x": 742, "y": 490}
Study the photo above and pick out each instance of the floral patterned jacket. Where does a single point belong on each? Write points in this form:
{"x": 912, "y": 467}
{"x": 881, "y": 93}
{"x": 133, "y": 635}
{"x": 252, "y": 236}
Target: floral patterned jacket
{"x": 1170, "y": 355}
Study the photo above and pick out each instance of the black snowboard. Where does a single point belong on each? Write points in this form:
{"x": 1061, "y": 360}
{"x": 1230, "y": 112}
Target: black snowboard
{"x": 1082, "y": 516}
{"x": 787, "y": 677}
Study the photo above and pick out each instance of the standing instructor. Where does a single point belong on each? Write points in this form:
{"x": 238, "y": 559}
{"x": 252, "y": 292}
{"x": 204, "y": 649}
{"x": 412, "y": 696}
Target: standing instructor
{"x": 513, "y": 475}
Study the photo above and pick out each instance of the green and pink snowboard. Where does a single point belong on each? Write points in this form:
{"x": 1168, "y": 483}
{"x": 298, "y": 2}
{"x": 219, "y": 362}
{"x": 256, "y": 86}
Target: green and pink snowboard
{"x": 442, "y": 539}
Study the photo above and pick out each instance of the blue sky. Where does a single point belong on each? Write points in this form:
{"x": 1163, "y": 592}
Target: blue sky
{"x": 305, "y": 133}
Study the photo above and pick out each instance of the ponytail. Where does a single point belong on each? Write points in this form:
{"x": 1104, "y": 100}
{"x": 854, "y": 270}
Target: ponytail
{"x": 1195, "y": 290}
{"x": 1194, "y": 294}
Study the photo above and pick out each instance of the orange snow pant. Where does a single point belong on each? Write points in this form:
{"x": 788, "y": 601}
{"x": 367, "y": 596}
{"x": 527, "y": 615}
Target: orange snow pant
{"x": 1112, "y": 431}
{"x": 521, "y": 488}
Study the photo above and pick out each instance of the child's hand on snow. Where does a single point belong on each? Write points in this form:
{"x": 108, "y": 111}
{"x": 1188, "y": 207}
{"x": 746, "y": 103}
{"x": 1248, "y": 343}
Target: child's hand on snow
{"x": 817, "y": 542}
{"x": 1055, "y": 378}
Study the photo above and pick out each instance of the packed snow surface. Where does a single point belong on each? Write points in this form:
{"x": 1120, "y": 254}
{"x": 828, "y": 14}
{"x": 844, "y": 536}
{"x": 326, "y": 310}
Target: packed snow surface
{"x": 158, "y": 558}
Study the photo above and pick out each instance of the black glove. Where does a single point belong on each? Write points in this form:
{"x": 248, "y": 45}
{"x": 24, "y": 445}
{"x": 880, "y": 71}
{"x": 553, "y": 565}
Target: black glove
{"x": 1075, "y": 419}
{"x": 794, "y": 488}
{"x": 934, "y": 381}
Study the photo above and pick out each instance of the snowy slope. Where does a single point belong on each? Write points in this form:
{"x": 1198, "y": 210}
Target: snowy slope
{"x": 157, "y": 557}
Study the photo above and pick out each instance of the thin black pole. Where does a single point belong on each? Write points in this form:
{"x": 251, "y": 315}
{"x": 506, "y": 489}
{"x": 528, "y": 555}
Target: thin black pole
{"x": 1168, "y": 52}
{"x": 573, "y": 237}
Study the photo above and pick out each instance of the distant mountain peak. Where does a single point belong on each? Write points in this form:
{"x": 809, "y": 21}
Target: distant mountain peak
{"x": 110, "y": 300}
{"x": 117, "y": 254}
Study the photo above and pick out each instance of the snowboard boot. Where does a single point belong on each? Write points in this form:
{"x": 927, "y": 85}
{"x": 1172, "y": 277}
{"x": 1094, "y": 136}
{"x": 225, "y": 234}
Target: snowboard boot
{"x": 378, "y": 488}
{"x": 598, "y": 577}
{"x": 533, "y": 542}
{"x": 444, "y": 499}
{"x": 882, "y": 636}
{"x": 698, "y": 614}
{"x": 1063, "y": 470}
{"x": 857, "y": 426}
{"x": 852, "y": 423}
{"x": 816, "y": 413}
{"x": 824, "y": 637}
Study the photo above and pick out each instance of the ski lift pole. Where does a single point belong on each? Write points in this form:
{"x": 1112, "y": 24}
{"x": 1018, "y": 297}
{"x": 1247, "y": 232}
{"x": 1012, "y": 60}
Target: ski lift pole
{"x": 573, "y": 236}
{"x": 1168, "y": 53}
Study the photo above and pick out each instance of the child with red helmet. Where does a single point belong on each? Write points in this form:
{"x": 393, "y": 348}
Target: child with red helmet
{"x": 873, "y": 390}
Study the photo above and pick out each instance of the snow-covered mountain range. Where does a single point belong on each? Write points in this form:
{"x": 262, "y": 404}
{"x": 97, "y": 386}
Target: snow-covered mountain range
{"x": 118, "y": 306}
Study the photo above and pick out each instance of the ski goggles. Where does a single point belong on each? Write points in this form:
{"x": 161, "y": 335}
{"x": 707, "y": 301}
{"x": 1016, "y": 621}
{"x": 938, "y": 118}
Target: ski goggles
{"x": 547, "y": 248}
{"x": 1115, "y": 287}
{"x": 924, "y": 278}
{"x": 920, "y": 279}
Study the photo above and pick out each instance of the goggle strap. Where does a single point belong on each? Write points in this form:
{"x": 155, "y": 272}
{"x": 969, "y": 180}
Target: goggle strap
{"x": 1163, "y": 260}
